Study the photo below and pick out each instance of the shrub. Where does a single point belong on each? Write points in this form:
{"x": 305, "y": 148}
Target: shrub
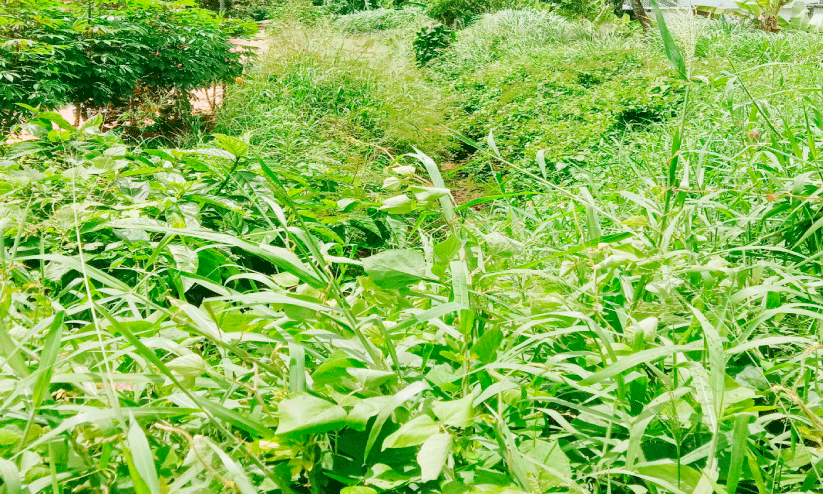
{"x": 343, "y": 7}
{"x": 111, "y": 58}
{"x": 430, "y": 42}
{"x": 452, "y": 12}
{"x": 578, "y": 8}
{"x": 256, "y": 10}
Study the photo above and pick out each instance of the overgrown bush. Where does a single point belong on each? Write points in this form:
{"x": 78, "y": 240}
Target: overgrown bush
{"x": 343, "y": 7}
{"x": 463, "y": 12}
{"x": 636, "y": 308}
{"x": 578, "y": 8}
{"x": 430, "y": 42}
{"x": 95, "y": 58}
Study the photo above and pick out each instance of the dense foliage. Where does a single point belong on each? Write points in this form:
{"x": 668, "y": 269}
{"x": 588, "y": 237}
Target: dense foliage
{"x": 558, "y": 258}
{"x": 430, "y": 42}
{"x": 96, "y": 56}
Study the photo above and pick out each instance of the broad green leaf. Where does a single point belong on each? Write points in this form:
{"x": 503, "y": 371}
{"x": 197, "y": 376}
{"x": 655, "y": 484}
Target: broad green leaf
{"x": 333, "y": 370}
{"x": 396, "y": 268}
{"x": 428, "y": 194}
{"x": 547, "y": 464}
{"x": 142, "y": 457}
{"x": 446, "y": 203}
{"x": 363, "y": 410}
{"x": 433, "y": 456}
{"x": 401, "y": 204}
{"x": 231, "y": 144}
{"x": 55, "y": 118}
{"x": 456, "y": 413}
{"x": 190, "y": 365}
{"x": 9, "y": 437}
{"x": 398, "y": 399}
{"x": 498, "y": 244}
{"x": 357, "y": 489}
{"x": 306, "y": 414}
{"x": 488, "y": 344}
{"x": 186, "y": 260}
{"x": 10, "y": 354}
{"x": 11, "y": 477}
{"x": 371, "y": 378}
{"x": 412, "y": 433}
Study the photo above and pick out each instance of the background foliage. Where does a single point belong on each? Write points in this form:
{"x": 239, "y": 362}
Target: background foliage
{"x": 547, "y": 261}
{"x": 95, "y": 56}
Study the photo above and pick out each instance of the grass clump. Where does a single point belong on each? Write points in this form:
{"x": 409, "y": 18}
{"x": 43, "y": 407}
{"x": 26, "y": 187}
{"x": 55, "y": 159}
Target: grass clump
{"x": 380, "y": 20}
{"x": 344, "y": 104}
{"x": 509, "y": 33}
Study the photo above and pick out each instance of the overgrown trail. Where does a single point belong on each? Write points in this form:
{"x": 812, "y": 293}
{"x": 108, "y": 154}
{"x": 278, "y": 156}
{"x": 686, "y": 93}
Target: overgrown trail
{"x": 206, "y": 101}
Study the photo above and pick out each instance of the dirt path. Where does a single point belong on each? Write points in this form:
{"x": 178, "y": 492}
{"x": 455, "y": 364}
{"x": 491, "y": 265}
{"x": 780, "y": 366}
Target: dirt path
{"x": 204, "y": 101}
{"x": 207, "y": 100}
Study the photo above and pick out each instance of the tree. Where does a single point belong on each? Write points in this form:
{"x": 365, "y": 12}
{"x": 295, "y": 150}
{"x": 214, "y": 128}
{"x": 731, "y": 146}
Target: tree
{"x": 639, "y": 14}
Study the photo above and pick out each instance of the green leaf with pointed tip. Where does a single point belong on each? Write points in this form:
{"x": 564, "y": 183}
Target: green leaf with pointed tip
{"x": 306, "y": 414}
{"x": 671, "y": 49}
{"x": 412, "y": 433}
{"x": 47, "y": 358}
{"x": 456, "y": 413}
{"x": 486, "y": 347}
{"x": 141, "y": 455}
{"x": 433, "y": 455}
{"x": 11, "y": 477}
{"x": 396, "y": 268}
{"x": 231, "y": 144}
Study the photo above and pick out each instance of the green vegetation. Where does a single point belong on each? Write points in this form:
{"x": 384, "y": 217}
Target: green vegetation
{"x": 560, "y": 256}
{"x": 97, "y": 57}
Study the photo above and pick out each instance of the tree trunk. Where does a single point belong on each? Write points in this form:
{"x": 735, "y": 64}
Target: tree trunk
{"x": 639, "y": 14}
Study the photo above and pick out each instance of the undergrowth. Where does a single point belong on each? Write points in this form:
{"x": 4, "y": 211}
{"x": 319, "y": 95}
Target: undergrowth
{"x": 309, "y": 301}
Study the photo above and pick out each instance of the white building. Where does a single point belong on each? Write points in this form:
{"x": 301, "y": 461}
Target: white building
{"x": 814, "y": 8}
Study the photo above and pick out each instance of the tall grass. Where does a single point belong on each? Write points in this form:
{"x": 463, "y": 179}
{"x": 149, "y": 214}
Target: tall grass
{"x": 223, "y": 319}
{"x": 381, "y": 20}
{"x": 509, "y": 33}
{"x": 343, "y": 102}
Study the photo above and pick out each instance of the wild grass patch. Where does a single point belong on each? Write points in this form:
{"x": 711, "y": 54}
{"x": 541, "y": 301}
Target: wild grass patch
{"x": 611, "y": 285}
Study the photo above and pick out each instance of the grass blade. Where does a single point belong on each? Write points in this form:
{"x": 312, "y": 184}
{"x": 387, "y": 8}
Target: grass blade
{"x": 142, "y": 457}
{"x": 47, "y": 359}
{"x": 671, "y": 49}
